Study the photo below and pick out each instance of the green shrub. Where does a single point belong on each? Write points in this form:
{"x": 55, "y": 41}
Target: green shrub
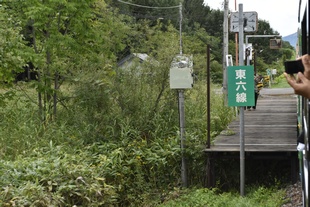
{"x": 53, "y": 177}
{"x": 98, "y": 153}
{"x": 258, "y": 197}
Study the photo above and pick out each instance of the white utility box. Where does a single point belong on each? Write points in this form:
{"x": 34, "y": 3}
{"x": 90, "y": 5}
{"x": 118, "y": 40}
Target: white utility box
{"x": 181, "y": 72}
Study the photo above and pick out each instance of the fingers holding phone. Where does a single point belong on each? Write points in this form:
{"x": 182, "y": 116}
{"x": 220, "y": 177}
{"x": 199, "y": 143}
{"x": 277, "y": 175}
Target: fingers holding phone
{"x": 306, "y": 63}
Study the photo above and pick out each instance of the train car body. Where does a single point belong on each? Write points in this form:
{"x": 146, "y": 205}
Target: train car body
{"x": 303, "y": 47}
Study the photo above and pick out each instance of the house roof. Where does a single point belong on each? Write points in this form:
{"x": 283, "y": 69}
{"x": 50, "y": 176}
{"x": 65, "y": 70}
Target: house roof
{"x": 142, "y": 57}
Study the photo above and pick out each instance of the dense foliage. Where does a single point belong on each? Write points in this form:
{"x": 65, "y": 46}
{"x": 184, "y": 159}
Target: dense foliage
{"x": 261, "y": 197}
{"x": 87, "y": 132}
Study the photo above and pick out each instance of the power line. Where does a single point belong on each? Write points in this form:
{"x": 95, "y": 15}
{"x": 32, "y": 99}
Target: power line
{"x": 149, "y": 7}
{"x": 145, "y": 15}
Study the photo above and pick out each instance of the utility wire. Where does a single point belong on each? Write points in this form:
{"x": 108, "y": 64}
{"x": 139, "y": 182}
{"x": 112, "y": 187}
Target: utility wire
{"x": 149, "y": 7}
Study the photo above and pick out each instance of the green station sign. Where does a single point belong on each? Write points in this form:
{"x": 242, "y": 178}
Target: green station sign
{"x": 240, "y": 85}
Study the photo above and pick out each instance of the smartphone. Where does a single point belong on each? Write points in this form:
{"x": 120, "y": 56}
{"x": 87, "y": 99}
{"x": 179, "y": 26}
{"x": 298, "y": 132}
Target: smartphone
{"x": 293, "y": 66}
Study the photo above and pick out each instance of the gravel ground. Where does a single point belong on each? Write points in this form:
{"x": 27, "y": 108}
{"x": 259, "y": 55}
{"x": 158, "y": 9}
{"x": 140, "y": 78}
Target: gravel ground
{"x": 293, "y": 195}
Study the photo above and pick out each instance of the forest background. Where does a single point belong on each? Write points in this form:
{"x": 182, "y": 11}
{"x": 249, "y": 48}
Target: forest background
{"x": 87, "y": 133}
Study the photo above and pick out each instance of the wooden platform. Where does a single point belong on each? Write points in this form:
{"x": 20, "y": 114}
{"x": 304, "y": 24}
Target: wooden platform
{"x": 270, "y": 135}
{"x": 272, "y": 127}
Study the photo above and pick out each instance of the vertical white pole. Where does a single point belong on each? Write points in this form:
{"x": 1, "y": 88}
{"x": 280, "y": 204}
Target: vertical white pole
{"x": 241, "y": 63}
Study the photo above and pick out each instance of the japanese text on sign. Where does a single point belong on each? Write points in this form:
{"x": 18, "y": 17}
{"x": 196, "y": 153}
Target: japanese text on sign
{"x": 241, "y": 95}
{"x": 240, "y": 85}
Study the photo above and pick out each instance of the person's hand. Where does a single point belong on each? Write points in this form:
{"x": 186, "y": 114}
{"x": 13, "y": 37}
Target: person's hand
{"x": 306, "y": 62}
{"x": 300, "y": 83}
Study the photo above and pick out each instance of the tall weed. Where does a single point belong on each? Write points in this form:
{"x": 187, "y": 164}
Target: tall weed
{"x": 53, "y": 177}
{"x": 111, "y": 143}
{"x": 258, "y": 197}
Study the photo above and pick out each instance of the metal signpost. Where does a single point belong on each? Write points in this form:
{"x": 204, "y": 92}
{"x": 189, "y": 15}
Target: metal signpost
{"x": 241, "y": 79}
{"x": 242, "y": 157}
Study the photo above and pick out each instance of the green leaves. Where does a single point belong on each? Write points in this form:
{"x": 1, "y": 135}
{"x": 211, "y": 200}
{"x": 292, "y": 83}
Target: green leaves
{"x": 13, "y": 52}
{"x": 98, "y": 174}
{"x": 60, "y": 39}
{"x": 54, "y": 178}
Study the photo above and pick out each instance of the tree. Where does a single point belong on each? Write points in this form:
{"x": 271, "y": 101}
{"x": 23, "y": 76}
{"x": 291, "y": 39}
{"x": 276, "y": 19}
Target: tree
{"x": 68, "y": 38}
{"x": 195, "y": 12}
{"x": 195, "y": 43}
{"x": 261, "y": 45}
{"x": 14, "y": 53}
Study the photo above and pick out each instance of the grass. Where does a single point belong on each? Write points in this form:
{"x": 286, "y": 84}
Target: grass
{"x": 280, "y": 82}
{"x": 54, "y": 165}
{"x": 257, "y": 196}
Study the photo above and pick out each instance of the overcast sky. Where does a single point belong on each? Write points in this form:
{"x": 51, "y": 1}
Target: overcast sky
{"x": 282, "y": 15}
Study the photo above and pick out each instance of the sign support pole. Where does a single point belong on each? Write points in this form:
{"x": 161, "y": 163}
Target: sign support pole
{"x": 182, "y": 134}
{"x": 241, "y": 63}
{"x": 182, "y": 116}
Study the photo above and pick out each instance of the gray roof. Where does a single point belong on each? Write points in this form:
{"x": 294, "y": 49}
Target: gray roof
{"x": 142, "y": 57}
